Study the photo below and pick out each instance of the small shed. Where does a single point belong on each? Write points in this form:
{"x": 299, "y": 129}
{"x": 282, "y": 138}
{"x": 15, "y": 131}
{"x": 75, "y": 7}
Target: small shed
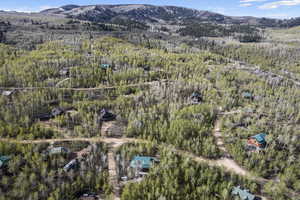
{"x": 4, "y": 160}
{"x": 258, "y": 140}
{"x": 143, "y": 162}
{"x": 105, "y": 115}
{"x": 243, "y": 194}
{"x": 105, "y": 66}
{"x": 58, "y": 150}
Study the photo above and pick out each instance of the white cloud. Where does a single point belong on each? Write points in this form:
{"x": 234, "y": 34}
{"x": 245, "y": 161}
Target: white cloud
{"x": 245, "y": 5}
{"x": 277, "y": 4}
{"x": 27, "y": 9}
{"x": 20, "y": 9}
{"x": 248, "y": 1}
{"x": 45, "y": 7}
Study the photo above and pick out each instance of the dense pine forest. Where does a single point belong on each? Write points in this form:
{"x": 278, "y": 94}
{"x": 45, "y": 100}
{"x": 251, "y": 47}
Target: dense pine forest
{"x": 81, "y": 100}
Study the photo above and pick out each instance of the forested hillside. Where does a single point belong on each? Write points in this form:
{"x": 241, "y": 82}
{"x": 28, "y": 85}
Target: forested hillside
{"x": 110, "y": 111}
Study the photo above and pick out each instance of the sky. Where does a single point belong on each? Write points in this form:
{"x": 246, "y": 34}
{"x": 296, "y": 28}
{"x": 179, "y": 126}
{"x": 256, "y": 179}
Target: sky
{"x": 259, "y": 8}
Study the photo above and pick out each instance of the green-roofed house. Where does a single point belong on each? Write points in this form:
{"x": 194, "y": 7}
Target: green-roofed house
{"x": 243, "y": 194}
{"x": 105, "y": 66}
{"x": 58, "y": 150}
{"x": 258, "y": 140}
{"x": 143, "y": 163}
{"x": 4, "y": 160}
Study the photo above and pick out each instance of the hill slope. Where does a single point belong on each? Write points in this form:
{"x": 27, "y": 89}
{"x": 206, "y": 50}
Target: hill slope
{"x": 151, "y": 13}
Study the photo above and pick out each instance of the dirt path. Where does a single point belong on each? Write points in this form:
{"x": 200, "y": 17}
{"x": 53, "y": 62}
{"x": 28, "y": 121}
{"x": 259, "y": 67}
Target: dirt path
{"x": 61, "y": 82}
{"x": 84, "y": 89}
{"x": 112, "y": 168}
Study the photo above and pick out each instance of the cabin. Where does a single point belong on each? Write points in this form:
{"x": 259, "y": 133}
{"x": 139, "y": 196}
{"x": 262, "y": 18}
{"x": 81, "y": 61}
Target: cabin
{"x": 4, "y": 161}
{"x": 105, "y": 115}
{"x": 196, "y": 97}
{"x": 58, "y": 150}
{"x": 247, "y": 95}
{"x": 258, "y": 141}
{"x": 57, "y": 112}
{"x": 243, "y": 194}
{"x": 105, "y": 66}
{"x": 143, "y": 163}
{"x": 71, "y": 165}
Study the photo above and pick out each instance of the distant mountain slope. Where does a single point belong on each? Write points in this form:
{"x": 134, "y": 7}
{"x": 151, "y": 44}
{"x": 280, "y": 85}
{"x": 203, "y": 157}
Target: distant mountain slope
{"x": 149, "y": 13}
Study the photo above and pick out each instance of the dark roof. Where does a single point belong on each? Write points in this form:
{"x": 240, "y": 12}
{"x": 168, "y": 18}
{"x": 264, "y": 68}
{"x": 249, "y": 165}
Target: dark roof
{"x": 43, "y": 116}
{"x": 106, "y": 115}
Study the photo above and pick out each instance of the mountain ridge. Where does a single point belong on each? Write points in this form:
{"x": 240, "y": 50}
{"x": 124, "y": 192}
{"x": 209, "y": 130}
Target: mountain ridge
{"x": 148, "y": 13}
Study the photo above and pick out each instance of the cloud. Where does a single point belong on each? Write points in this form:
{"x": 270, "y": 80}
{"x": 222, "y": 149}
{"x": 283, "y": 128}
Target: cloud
{"x": 245, "y": 5}
{"x": 27, "y": 9}
{"x": 45, "y": 7}
{"x": 277, "y": 4}
{"x": 248, "y": 1}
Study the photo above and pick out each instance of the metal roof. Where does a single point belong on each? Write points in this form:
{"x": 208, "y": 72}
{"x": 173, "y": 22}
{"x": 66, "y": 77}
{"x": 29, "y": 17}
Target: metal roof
{"x": 143, "y": 162}
{"x": 4, "y": 160}
{"x": 247, "y": 94}
{"x": 105, "y": 66}
{"x": 260, "y": 138}
{"x": 58, "y": 150}
{"x": 7, "y": 93}
{"x": 243, "y": 194}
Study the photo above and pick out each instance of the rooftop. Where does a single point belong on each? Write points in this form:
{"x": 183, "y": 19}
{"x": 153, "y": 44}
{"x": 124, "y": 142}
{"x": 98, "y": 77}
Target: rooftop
{"x": 247, "y": 94}
{"x": 4, "y": 160}
{"x": 260, "y": 138}
{"x": 143, "y": 162}
{"x": 243, "y": 194}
